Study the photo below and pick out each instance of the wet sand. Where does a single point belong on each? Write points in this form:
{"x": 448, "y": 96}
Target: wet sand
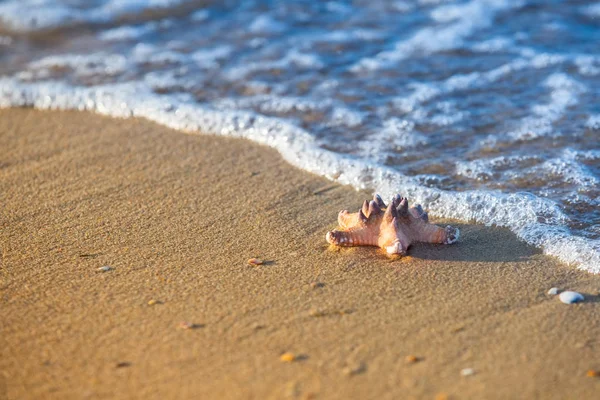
{"x": 177, "y": 216}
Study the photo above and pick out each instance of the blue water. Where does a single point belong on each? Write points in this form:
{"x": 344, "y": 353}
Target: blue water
{"x": 482, "y": 110}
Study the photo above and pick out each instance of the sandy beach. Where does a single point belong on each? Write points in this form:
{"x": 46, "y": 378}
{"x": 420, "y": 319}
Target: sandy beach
{"x": 177, "y": 216}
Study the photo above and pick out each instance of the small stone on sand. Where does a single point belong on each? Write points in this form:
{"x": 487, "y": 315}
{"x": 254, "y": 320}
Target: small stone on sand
{"x": 123, "y": 364}
{"x": 553, "y": 291}
{"x": 569, "y": 297}
{"x": 410, "y": 359}
{"x": 153, "y": 302}
{"x": 255, "y": 261}
{"x": 104, "y": 268}
{"x": 287, "y": 357}
{"x": 593, "y": 374}
{"x": 467, "y": 372}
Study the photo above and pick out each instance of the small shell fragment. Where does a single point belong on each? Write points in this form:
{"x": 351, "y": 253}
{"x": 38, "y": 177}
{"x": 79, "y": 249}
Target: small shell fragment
{"x": 287, "y": 357}
{"x": 355, "y": 369}
{"x": 186, "y": 325}
{"x": 317, "y": 313}
{"x": 553, "y": 291}
{"x": 569, "y": 297}
{"x": 467, "y": 372}
{"x": 255, "y": 261}
{"x": 104, "y": 268}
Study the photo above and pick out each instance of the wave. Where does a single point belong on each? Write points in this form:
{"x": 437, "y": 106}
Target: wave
{"x": 27, "y": 16}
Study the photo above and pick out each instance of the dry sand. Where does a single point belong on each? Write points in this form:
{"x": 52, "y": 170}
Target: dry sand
{"x": 177, "y": 217}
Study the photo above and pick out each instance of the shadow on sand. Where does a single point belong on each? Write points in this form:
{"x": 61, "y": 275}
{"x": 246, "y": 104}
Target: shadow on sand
{"x": 478, "y": 243}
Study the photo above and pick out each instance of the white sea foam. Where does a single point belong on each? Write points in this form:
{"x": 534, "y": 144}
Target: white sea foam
{"x": 165, "y": 81}
{"x": 566, "y": 169}
{"x": 586, "y": 155}
{"x": 588, "y": 65}
{"x": 424, "y": 92}
{"x": 484, "y": 169}
{"x": 266, "y": 25}
{"x": 293, "y": 58}
{"x": 273, "y": 104}
{"x": 494, "y": 45}
{"x": 5, "y": 40}
{"x": 128, "y": 32}
{"x": 87, "y": 65}
{"x": 39, "y": 15}
{"x": 593, "y": 10}
{"x": 564, "y": 93}
{"x": 145, "y": 53}
{"x": 396, "y": 135}
{"x": 209, "y": 58}
{"x": 200, "y": 15}
{"x": 344, "y": 36}
{"x": 593, "y": 122}
{"x": 462, "y": 21}
{"x": 344, "y": 116}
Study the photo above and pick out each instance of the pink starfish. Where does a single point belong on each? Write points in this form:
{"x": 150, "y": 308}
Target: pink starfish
{"x": 393, "y": 228}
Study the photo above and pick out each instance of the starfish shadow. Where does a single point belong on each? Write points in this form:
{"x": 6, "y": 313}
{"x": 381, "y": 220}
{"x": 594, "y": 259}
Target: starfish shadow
{"x": 477, "y": 243}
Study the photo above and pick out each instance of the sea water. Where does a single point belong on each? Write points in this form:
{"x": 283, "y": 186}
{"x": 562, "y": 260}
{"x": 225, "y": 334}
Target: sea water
{"x": 481, "y": 110}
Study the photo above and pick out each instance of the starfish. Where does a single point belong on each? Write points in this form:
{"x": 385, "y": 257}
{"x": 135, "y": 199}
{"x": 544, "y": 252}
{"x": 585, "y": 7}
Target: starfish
{"x": 392, "y": 228}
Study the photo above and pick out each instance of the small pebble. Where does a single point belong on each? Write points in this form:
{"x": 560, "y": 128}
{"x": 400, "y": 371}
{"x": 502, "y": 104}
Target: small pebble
{"x": 593, "y": 374}
{"x": 553, "y": 291}
{"x": 104, "y": 268}
{"x": 153, "y": 302}
{"x": 255, "y": 261}
{"x": 569, "y": 297}
{"x": 410, "y": 359}
{"x": 287, "y": 357}
{"x": 467, "y": 372}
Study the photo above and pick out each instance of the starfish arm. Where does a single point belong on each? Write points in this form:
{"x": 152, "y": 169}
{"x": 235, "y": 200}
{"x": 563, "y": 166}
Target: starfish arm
{"x": 429, "y": 233}
{"x": 393, "y": 239}
{"x": 363, "y": 236}
{"x": 398, "y": 246}
{"x": 418, "y": 212}
{"x": 347, "y": 220}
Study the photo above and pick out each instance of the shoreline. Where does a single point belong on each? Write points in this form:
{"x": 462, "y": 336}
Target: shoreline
{"x": 177, "y": 216}
{"x": 298, "y": 147}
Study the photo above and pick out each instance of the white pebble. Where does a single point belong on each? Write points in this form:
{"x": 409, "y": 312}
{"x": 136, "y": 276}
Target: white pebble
{"x": 467, "y": 372}
{"x": 569, "y": 297}
{"x": 104, "y": 268}
{"x": 553, "y": 291}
